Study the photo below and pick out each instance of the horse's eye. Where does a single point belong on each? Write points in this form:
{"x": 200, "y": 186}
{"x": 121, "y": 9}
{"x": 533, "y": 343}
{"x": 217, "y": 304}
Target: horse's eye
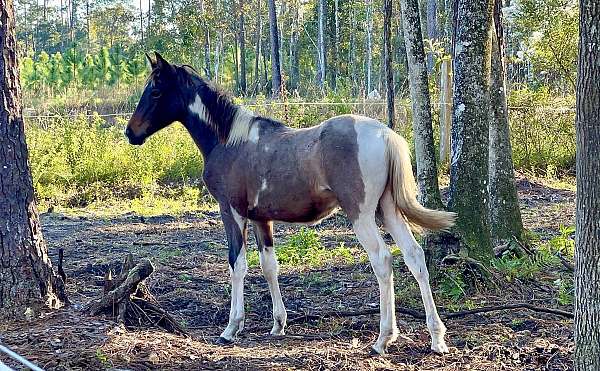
{"x": 155, "y": 93}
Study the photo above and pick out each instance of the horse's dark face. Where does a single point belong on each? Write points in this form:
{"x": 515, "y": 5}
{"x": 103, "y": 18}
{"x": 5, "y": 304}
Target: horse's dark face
{"x": 161, "y": 104}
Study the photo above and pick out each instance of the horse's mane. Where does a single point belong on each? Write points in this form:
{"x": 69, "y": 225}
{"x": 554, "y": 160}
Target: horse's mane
{"x": 230, "y": 121}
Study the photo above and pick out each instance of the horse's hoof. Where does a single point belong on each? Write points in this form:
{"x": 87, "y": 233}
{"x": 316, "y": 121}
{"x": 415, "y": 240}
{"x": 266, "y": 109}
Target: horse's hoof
{"x": 222, "y": 341}
{"x": 440, "y": 348}
{"x": 376, "y": 352}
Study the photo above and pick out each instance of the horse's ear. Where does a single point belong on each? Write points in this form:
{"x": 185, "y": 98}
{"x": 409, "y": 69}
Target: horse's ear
{"x": 152, "y": 61}
{"x": 161, "y": 63}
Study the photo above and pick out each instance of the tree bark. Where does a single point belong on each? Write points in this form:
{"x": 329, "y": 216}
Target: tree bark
{"x": 336, "y": 47}
{"x": 294, "y": 52}
{"x": 242, "y": 43}
{"x": 322, "y": 56}
{"x": 206, "y": 41}
{"x": 389, "y": 73}
{"x": 275, "y": 65}
{"x": 26, "y": 274}
{"x": 369, "y": 50}
{"x": 421, "y": 106}
{"x": 587, "y": 235}
{"x": 258, "y": 50}
{"x": 504, "y": 213}
{"x": 432, "y": 29}
{"x": 470, "y": 128}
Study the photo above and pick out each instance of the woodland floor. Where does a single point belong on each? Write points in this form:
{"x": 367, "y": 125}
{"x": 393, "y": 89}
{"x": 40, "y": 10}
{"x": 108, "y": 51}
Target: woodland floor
{"x": 191, "y": 282}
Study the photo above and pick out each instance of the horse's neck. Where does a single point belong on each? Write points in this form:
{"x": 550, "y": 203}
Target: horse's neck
{"x": 203, "y": 136}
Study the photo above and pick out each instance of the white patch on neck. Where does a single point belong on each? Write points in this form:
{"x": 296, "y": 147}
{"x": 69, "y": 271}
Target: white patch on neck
{"x": 240, "y": 128}
{"x": 199, "y": 109}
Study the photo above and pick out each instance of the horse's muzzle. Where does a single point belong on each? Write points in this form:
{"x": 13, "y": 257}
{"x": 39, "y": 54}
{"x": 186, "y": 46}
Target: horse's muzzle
{"x": 133, "y": 139}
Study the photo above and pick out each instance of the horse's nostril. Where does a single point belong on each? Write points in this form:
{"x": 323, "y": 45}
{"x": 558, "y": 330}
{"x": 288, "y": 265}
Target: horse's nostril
{"x": 127, "y": 132}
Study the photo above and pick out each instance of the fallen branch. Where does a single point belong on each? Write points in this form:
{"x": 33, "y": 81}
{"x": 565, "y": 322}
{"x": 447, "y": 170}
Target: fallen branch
{"x": 565, "y": 262}
{"x": 130, "y": 301}
{"x": 420, "y": 315}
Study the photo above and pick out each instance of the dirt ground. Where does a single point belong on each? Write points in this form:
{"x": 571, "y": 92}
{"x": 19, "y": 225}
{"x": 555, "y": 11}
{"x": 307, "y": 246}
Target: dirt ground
{"x": 191, "y": 282}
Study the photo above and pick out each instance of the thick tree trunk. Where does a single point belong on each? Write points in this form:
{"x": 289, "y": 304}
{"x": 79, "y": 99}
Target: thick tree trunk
{"x": 322, "y": 56}
{"x": 389, "y": 73}
{"x": 504, "y": 213}
{"x": 470, "y": 127}
{"x": 421, "y": 106}
{"x": 26, "y": 274}
{"x": 242, "y": 43}
{"x": 587, "y": 235}
{"x": 275, "y": 65}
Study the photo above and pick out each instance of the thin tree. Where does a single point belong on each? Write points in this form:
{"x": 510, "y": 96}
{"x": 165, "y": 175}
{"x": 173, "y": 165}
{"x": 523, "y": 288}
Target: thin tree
{"x": 504, "y": 213}
{"x": 425, "y": 154}
{"x": 242, "y": 44}
{"x": 322, "y": 55}
{"x": 258, "y": 49}
{"x": 26, "y": 274}
{"x": 275, "y": 65}
{"x": 206, "y": 40}
{"x": 470, "y": 127}
{"x": 432, "y": 28}
{"x": 587, "y": 235}
{"x": 369, "y": 49}
{"x": 389, "y": 72}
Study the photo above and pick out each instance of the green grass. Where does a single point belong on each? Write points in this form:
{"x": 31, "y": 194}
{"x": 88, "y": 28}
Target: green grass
{"x": 304, "y": 249}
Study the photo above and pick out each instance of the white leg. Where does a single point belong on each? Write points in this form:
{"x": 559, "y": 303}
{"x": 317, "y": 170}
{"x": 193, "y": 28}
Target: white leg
{"x": 270, "y": 268}
{"x": 414, "y": 257}
{"x": 381, "y": 260}
{"x": 236, "y": 312}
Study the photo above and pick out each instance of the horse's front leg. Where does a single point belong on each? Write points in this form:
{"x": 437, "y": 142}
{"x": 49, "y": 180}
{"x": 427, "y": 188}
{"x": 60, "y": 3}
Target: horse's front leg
{"x": 268, "y": 262}
{"x": 236, "y": 230}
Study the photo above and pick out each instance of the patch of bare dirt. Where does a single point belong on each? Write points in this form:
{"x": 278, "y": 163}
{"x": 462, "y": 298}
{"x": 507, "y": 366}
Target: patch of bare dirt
{"x": 191, "y": 281}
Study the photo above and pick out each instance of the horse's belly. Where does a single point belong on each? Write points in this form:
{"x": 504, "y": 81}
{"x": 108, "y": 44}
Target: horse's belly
{"x": 294, "y": 208}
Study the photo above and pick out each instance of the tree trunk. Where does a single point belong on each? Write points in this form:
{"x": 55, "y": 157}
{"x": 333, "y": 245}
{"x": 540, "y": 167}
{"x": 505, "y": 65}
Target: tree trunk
{"x": 322, "y": 61}
{"x": 470, "y": 128}
{"x": 432, "y": 26}
{"x": 336, "y": 47}
{"x": 26, "y": 274}
{"x": 587, "y": 235}
{"x": 275, "y": 65}
{"x": 206, "y": 41}
{"x": 242, "y": 43}
{"x": 421, "y": 105}
{"x": 504, "y": 214}
{"x": 369, "y": 45}
{"x": 294, "y": 52}
{"x": 445, "y": 109}
{"x": 258, "y": 50}
{"x": 352, "y": 51}
{"x": 141, "y": 22}
{"x": 389, "y": 73}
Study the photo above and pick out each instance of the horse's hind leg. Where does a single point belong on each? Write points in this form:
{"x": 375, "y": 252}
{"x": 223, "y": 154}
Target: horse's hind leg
{"x": 367, "y": 232}
{"x": 268, "y": 262}
{"x": 414, "y": 257}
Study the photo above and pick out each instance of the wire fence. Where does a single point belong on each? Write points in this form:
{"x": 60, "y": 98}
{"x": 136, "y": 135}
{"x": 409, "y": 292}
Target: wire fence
{"x": 364, "y": 104}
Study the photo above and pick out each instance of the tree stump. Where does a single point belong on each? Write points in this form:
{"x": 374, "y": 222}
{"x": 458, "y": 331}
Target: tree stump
{"x": 129, "y": 300}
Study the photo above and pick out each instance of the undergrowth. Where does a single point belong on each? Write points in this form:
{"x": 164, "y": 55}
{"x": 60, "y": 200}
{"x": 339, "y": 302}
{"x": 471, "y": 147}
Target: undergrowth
{"x": 304, "y": 249}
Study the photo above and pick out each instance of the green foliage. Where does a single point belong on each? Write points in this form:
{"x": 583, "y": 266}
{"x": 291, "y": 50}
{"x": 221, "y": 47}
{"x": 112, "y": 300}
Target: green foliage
{"x": 303, "y": 249}
{"x": 451, "y": 284}
{"x": 548, "y": 34}
{"x": 565, "y": 291}
{"x": 109, "y": 67}
{"x": 542, "y": 134}
{"x": 79, "y": 160}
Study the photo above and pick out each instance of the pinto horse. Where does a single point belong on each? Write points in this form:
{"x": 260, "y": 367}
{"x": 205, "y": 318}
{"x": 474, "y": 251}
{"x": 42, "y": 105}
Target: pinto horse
{"x": 261, "y": 171}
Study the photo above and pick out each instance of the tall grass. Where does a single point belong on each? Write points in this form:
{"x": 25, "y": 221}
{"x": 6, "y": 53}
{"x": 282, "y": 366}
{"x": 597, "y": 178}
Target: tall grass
{"x": 78, "y": 160}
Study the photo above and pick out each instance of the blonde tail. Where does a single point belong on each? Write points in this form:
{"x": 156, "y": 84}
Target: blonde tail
{"x": 403, "y": 187}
